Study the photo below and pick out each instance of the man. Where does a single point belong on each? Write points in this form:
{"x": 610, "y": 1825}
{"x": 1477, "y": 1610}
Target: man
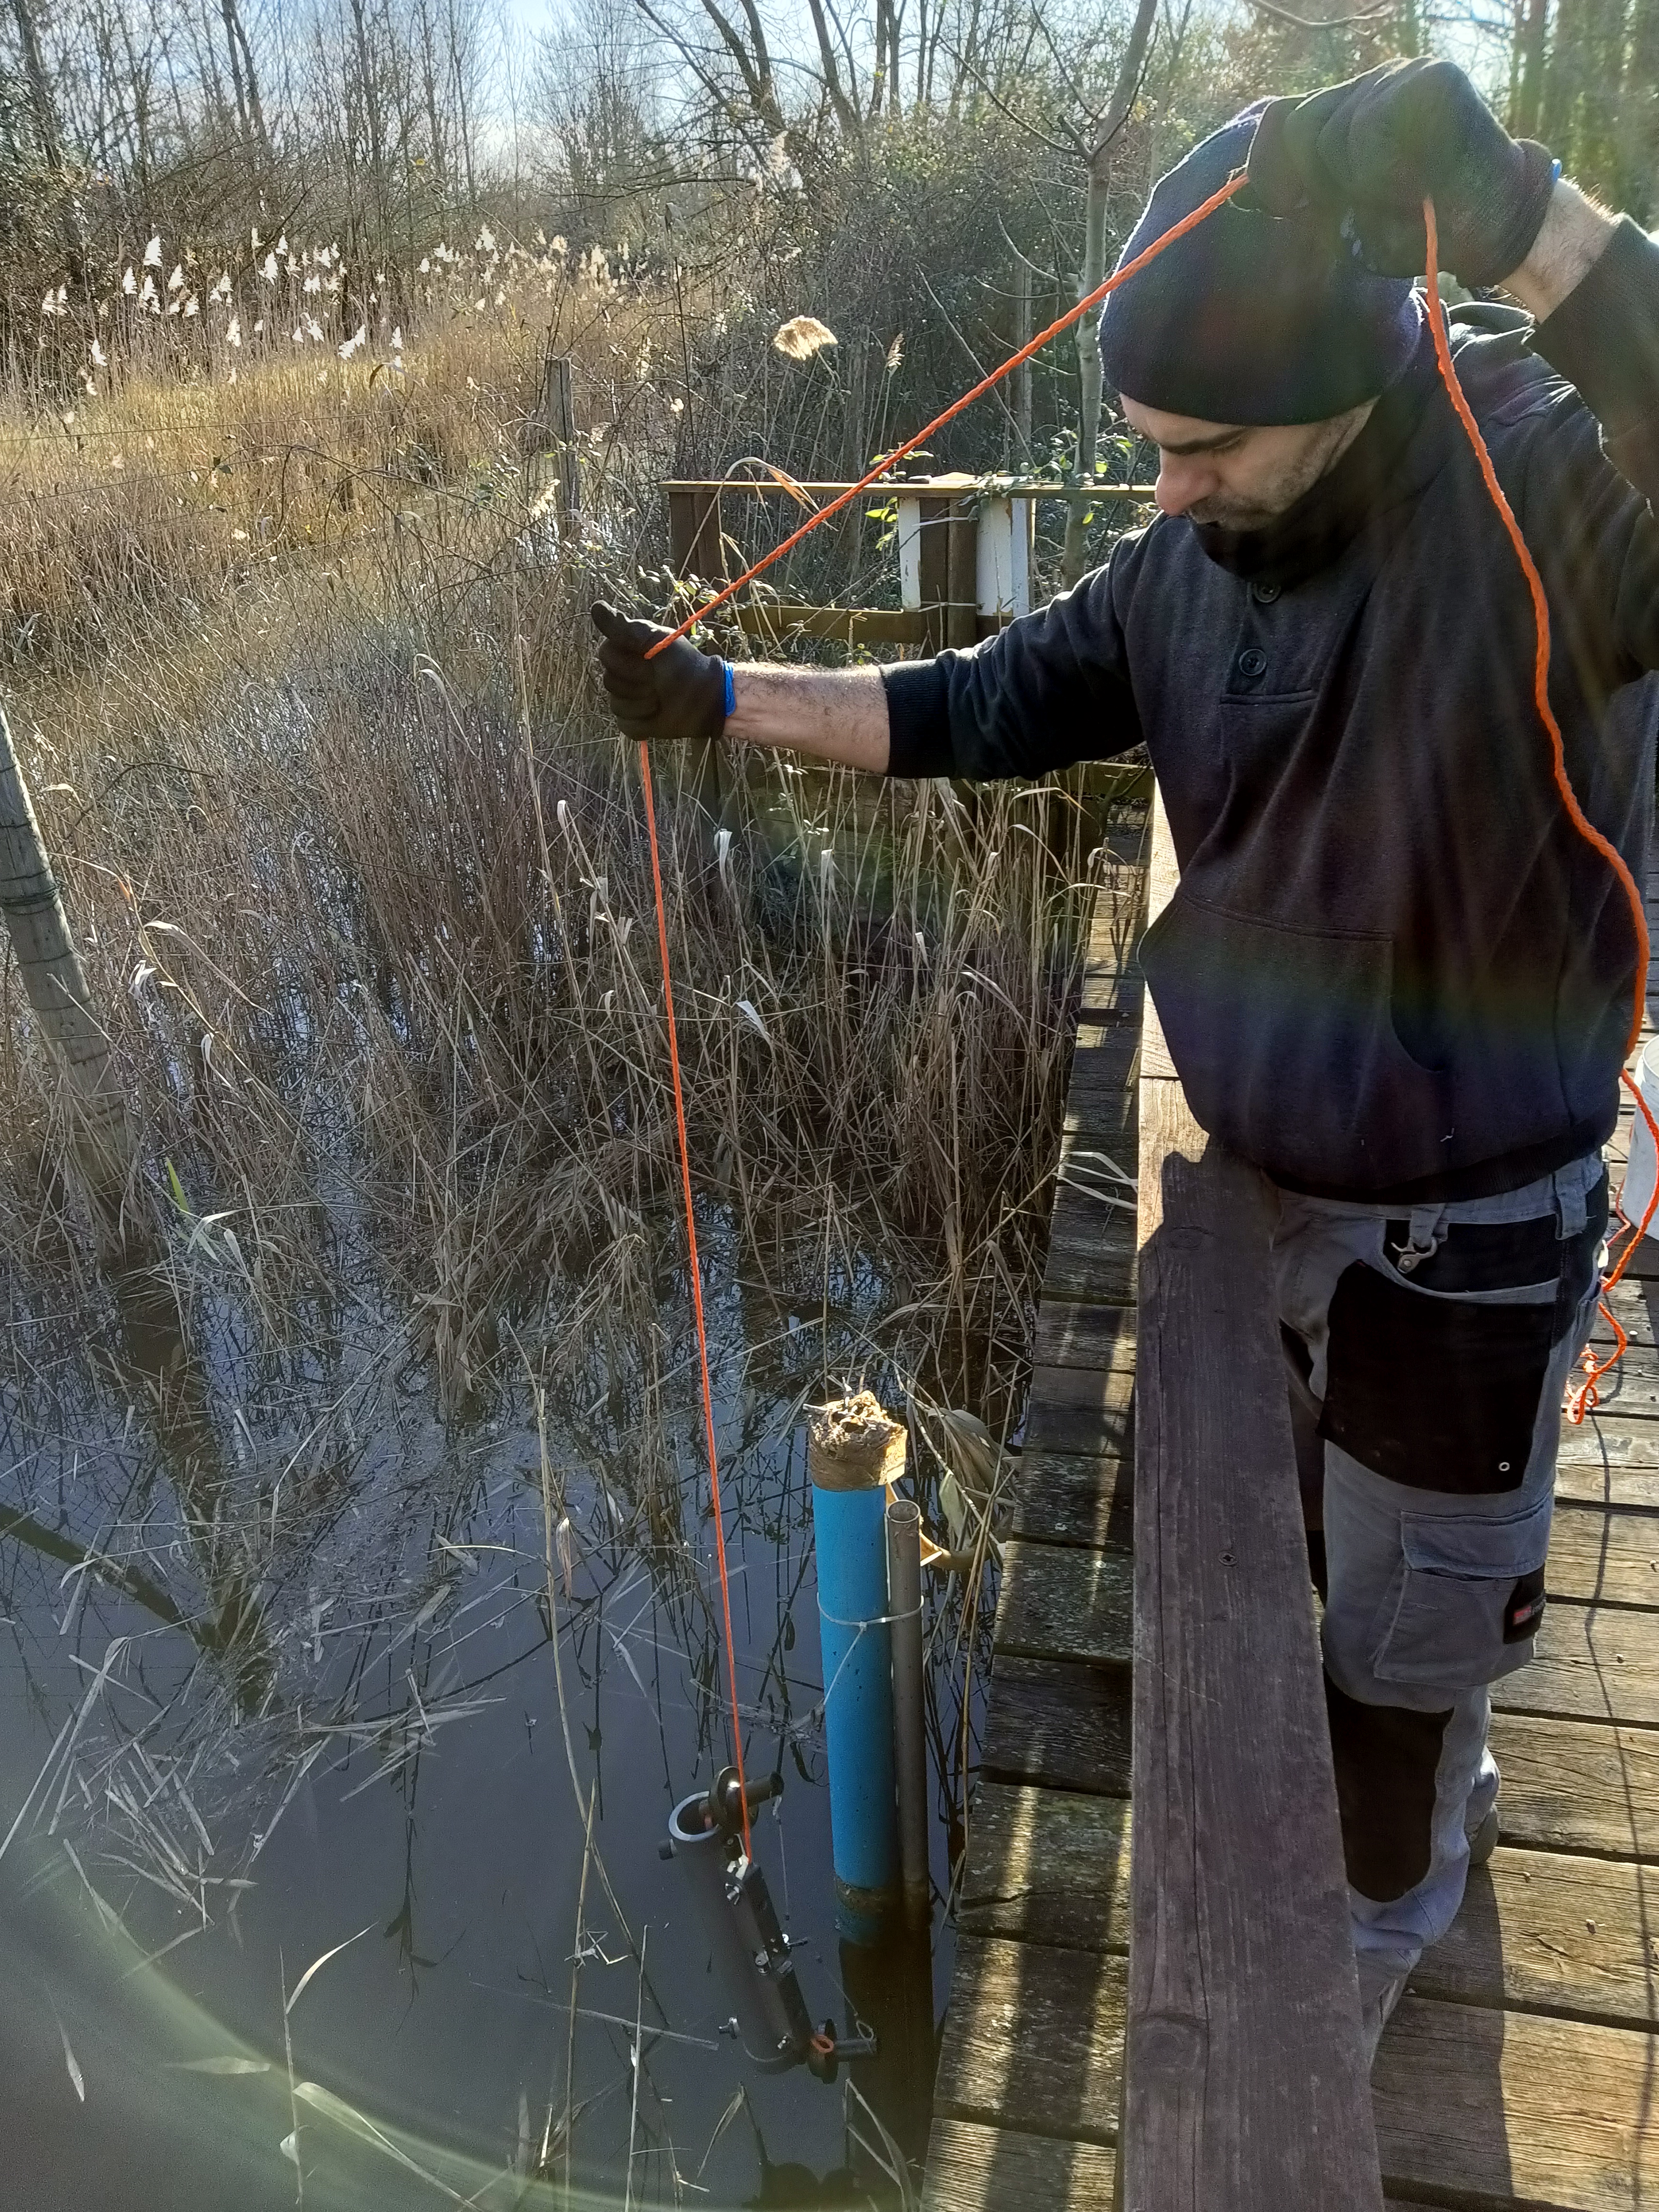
{"x": 1392, "y": 974}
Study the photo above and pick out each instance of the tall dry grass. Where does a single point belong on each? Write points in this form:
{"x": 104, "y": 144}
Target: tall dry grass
{"x": 300, "y": 672}
{"x": 304, "y": 693}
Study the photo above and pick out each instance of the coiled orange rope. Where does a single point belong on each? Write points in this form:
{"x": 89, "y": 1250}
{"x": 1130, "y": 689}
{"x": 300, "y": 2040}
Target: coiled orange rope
{"x": 1584, "y": 1395}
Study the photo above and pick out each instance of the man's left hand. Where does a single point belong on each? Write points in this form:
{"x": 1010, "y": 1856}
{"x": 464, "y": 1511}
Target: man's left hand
{"x": 1370, "y": 151}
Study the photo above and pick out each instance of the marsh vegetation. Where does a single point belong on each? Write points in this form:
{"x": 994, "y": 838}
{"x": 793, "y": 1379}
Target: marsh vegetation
{"x": 355, "y": 1534}
{"x": 357, "y": 1538}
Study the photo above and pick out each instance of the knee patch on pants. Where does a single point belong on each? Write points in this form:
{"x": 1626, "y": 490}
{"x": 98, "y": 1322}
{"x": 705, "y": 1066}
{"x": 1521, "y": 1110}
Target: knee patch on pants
{"x": 1386, "y": 1759}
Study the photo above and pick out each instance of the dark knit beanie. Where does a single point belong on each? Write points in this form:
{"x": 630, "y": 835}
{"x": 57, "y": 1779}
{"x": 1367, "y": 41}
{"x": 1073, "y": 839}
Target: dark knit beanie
{"x": 1248, "y": 319}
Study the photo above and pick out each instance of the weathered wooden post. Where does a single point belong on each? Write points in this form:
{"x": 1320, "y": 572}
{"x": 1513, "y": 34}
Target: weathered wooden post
{"x": 56, "y": 982}
{"x": 552, "y": 434}
{"x": 697, "y": 544}
{"x": 938, "y": 559}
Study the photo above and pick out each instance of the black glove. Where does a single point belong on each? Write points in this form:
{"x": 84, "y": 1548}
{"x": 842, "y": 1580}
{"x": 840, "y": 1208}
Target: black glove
{"x": 1368, "y": 152}
{"x": 678, "y": 695}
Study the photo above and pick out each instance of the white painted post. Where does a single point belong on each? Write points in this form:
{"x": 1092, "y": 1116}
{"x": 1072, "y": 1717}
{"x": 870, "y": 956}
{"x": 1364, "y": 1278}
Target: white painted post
{"x": 909, "y": 551}
{"x": 1003, "y": 563}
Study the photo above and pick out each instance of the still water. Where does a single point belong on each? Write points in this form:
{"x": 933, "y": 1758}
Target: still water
{"x": 299, "y": 1664}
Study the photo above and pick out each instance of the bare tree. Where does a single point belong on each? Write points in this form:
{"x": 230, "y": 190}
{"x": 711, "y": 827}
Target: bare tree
{"x": 1117, "y": 114}
{"x": 43, "y": 107}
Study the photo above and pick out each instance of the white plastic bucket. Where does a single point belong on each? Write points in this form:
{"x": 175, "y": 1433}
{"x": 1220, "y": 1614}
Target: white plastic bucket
{"x": 1639, "y": 1174}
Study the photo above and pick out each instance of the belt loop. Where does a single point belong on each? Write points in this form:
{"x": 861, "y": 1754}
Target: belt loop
{"x": 1424, "y": 1237}
{"x": 1570, "y": 1199}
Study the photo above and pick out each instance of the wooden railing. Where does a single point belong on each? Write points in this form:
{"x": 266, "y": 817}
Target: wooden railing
{"x": 1246, "y": 2088}
{"x": 963, "y": 554}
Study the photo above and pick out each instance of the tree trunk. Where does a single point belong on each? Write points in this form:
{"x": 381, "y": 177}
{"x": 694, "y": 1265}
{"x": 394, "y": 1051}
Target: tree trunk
{"x": 1019, "y": 444}
{"x": 243, "y": 75}
{"x": 41, "y": 104}
{"x": 1640, "y": 164}
{"x": 1531, "y": 26}
{"x": 1094, "y": 274}
{"x": 56, "y": 982}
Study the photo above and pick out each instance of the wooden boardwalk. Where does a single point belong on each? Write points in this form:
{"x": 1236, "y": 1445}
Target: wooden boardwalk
{"x": 1026, "y": 2100}
{"x": 1523, "y": 2068}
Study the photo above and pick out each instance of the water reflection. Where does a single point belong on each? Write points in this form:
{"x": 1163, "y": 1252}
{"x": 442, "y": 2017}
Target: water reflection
{"x": 292, "y": 1660}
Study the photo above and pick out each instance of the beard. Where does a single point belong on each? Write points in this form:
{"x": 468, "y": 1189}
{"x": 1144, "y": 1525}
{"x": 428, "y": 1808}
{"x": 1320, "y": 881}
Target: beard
{"x": 1263, "y": 503}
{"x": 1232, "y": 511}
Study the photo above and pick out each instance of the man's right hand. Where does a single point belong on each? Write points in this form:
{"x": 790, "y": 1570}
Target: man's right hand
{"x": 677, "y": 696}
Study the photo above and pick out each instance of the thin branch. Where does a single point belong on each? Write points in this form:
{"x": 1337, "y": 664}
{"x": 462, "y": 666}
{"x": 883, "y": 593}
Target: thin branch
{"x": 1131, "y": 76}
{"x": 1076, "y": 151}
{"x": 1322, "y": 22}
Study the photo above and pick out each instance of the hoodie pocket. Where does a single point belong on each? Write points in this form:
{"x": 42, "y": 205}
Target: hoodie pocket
{"x": 1286, "y": 1043}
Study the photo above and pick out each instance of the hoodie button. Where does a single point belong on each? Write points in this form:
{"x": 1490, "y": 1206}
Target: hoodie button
{"x": 1266, "y": 594}
{"x": 1253, "y": 663}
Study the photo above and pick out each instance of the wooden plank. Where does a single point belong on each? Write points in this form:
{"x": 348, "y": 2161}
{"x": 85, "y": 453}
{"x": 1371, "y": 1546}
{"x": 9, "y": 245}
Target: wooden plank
{"x": 1551, "y": 1932}
{"x": 1060, "y": 1602}
{"x": 1112, "y": 981}
{"x": 1599, "y": 1664}
{"x": 1609, "y": 1557}
{"x": 1635, "y": 1302}
{"x": 1080, "y": 1409}
{"x": 1611, "y": 1443}
{"x": 974, "y": 2168}
{"x": 1108, "y": 994}
{"x": 777, "y": 618}
{"x": 1047, "y": 1866}
{"x": 696, "y": 545}
{"x": 1091, "y": 1250}
{"x": 1100, "y": 1111}
{"x": 1058, "y": 1723}
{"x": 1246, "y": 2082}
{"x": 1060, "y": 1498}
{"x": 1034, "y": 2031}
{"x": 1633, "y": 1388}
{"x": 1589, "y": 1482}
{"x": 1570, "y": 1786}
{"x": 1104, "y": 1056}
{"x": 1004, "y": 487}
{"x": 1074, "y": 1332}
{"x": 1489, "y": 2109}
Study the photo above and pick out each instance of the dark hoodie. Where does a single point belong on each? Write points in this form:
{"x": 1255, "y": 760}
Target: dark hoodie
{"x": 1392, "y": 971}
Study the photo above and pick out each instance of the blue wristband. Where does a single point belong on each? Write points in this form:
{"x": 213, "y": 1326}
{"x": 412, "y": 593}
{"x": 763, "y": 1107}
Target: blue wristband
{"x": 731, "y": 690}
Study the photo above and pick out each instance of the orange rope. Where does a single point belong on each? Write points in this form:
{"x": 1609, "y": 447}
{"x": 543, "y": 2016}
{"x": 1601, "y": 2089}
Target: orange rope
{"x": 1199, "y": 215}
{"x": 1585, "y": 1396}
{"x": 696, "y": 1288}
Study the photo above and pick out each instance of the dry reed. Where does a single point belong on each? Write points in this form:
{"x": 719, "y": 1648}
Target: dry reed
{"x": 359, "y": 869}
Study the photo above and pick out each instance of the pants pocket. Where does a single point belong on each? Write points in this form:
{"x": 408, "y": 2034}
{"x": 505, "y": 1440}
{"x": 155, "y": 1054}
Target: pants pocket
{"x": 1470, "y": 1598}
{"x": 1434, "y": 1393}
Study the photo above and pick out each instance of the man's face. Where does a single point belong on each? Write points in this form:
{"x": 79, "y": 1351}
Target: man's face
{"x": 1240, "y": 477}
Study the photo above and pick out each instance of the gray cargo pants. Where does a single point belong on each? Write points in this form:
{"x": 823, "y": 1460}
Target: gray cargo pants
{"x": 1427, "y": 1352}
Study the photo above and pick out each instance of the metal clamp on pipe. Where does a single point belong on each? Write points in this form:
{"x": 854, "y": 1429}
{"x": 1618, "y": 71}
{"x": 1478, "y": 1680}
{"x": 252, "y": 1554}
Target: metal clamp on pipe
{"x": 751, "y": 1953}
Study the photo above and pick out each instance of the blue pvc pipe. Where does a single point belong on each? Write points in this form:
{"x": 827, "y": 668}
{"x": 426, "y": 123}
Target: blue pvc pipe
{"x": 851, "y": 1533}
